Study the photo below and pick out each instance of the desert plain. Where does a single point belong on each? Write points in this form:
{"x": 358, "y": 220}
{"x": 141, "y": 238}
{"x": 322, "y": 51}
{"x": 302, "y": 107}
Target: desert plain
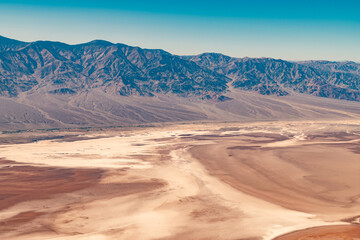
{"x": 282, "y": 180}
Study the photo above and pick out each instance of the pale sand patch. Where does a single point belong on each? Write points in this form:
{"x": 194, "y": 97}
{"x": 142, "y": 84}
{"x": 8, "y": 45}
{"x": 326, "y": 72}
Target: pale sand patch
{"x": 192, "y": 205}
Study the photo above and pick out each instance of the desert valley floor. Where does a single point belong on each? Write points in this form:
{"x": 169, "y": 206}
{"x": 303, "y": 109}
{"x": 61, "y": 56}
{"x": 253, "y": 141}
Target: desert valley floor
{"x": 261, "y": 180}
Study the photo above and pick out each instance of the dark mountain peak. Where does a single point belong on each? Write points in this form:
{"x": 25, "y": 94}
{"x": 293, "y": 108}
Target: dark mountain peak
{"x": 98, "y": 42}
{"x": 8, "y": 44}
{"x": 211, "y": 60}
{"x": 10, "y": 40}
{"x": 214, "y": 56}
{"x": 49, "y": 44}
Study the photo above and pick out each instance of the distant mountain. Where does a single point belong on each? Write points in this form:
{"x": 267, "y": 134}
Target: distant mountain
{"x": 340, "y": 80}
{"x": 47, "y": 84}
{"x": 115, "y": 68}
{"x": 343, "y": 67}
{"x": 118, "y": 69}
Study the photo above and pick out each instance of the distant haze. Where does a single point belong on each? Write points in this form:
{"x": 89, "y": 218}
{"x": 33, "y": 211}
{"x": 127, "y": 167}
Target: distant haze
{"x": 291, "y": 30}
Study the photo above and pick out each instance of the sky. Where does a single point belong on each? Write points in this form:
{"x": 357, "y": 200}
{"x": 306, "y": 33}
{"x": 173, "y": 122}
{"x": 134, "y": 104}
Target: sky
{"x": 291, "y": 30}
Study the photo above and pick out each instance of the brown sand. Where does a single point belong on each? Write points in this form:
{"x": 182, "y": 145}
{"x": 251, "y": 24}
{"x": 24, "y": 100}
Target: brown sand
{"x": 13, "y": 223}
{"x": 351, "y": 232}
{"x": 314, "y": 178}
{"x": 255, "y": 181}
{"x": 19, "y": 183}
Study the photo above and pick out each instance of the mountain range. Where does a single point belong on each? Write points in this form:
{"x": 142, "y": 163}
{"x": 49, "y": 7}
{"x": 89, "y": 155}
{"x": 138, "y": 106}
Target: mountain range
{"x": 125, "y": 70}
{"x": 34, "y": 71}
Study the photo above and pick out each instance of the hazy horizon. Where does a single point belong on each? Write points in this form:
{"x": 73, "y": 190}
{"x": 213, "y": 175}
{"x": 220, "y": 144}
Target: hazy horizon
{"x": 310, "y": 30}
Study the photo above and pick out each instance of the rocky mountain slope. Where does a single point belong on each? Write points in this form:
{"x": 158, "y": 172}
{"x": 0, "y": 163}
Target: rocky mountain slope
{"x": 7, "y": 44}
{"x": 124, "y": 70}
{"x": 114, "y": 68}
{"x": 340, "y": 80}
{"x": 55, "y": 85}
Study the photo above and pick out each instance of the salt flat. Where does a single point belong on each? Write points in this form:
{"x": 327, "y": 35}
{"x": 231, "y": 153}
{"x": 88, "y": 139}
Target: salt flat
{"x": 254, "y": 180}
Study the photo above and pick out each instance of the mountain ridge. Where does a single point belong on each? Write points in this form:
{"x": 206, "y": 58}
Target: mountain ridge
{"x": 117, "y": 68}
{"x": 45, "y": 85}
{"x": 270, "y": 76}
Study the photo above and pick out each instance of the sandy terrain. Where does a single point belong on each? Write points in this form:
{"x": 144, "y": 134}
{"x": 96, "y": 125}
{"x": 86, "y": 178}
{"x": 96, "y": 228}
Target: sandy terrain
{"x": 324, "y": 233}
{"x": 274, "y": 180}
{"x": 307, "y": 176}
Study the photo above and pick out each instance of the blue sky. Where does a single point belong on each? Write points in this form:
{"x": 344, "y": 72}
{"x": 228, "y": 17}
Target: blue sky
{"x": 292, "y": 30}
